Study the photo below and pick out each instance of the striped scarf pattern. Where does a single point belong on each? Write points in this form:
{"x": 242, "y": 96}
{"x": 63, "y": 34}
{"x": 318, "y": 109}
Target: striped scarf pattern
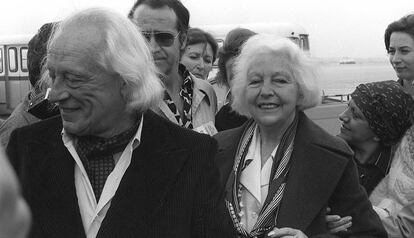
{"x": 267, "y": 219}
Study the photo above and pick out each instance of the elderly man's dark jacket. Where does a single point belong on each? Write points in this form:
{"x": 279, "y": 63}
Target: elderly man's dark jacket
{"x": 322, "y": 174}
{"x": 171, "y": 188}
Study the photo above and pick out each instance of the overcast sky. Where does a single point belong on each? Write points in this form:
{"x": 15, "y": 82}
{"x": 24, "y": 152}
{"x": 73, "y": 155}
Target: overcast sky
{"x": 337, "y": 28}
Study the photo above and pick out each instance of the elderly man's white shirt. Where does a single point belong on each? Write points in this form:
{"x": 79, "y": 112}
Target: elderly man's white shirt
{"x": 92, "y": 212}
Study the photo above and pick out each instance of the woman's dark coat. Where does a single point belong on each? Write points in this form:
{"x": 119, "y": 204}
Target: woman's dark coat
{"x": 322, "y": 175}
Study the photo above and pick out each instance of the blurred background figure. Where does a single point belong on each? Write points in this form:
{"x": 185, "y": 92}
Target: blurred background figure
{"x": 14, "y": 212}
{"x": 399, "y": 43}
{"x": 34, "y": 107}
{"x": 200, "y": 53}
{"x": 280, "y": 170}
{"x": 376, "y": 119}
{"x": 226, "y": 118}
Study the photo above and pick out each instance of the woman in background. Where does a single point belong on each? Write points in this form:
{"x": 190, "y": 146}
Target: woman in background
{"x": 280, "y": 170}
{"x": 393, "y": 198}
{"x": 375, "y": 120}
{"x": 225, "y": 117}
{"x": 200, "y": 53}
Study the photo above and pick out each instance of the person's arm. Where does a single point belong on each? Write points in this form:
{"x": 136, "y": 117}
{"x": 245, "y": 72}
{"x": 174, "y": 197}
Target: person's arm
{"x": 402, "y": 224}
{"x": 350, "y": 199}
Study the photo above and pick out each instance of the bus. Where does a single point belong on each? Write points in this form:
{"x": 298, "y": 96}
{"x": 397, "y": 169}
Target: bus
{"x": 295, "y": 32}
{"x": 14, "y": 80}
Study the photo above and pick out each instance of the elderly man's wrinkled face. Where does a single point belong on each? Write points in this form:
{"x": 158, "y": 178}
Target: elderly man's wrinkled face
{"x": 355, "y": 128}
{"x": 271, "y": 92}
{"x": 159, "y": 28}
{"x": 89, "y": 98}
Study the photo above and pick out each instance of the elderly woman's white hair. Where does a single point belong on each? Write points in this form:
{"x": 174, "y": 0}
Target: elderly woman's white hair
{"x": 300, "y": 66}
{"x": 123, "y": 52}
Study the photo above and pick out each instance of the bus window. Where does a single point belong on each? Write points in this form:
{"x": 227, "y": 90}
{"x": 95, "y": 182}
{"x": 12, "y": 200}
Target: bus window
{"x": 23, "y": 59}
{"x": 13, "y": 59}
{"x": 304, "y": 42}
{"x": 1, "y": 60}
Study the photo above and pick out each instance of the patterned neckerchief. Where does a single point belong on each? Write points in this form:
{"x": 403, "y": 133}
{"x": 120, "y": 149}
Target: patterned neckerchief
{"x": 186, "y": 93}
{"x": 96, "y": 154}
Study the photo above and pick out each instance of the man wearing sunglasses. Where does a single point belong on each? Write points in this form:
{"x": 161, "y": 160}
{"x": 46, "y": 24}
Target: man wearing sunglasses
{"x": 189, "y": 102}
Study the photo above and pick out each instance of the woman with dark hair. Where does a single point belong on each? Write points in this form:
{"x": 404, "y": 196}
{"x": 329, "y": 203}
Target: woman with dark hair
{"x": 200, "y": 53}
{"x": 226, "y": 118}
{"x": 399, "y": 42}
{"x": 373, "y": 124}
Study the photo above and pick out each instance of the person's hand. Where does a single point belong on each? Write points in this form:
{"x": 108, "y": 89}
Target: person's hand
{"x": 336, "y": 223}
{"x": 286, "y": 232}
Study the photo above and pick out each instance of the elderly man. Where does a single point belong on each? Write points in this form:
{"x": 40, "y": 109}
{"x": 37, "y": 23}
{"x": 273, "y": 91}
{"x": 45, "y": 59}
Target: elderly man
{"x": 188, "y": 101}
{"x": 109, "y": 167}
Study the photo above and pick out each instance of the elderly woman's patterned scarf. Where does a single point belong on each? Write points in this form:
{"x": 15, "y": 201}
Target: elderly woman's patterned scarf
{"x": 281, "y": 163}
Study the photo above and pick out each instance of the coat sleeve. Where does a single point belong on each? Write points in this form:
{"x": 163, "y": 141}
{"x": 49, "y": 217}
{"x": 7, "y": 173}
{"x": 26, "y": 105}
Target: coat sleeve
{"x": 350, "y": 199}
{"x": 401, "y": 224}
{"x": 210, "y": 217}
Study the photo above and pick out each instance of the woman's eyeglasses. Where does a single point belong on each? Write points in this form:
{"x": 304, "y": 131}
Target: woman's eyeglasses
{"x": 162, "y": 38}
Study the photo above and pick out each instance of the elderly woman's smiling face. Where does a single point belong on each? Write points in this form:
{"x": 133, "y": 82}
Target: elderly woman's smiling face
{"x": 271, "y": 91}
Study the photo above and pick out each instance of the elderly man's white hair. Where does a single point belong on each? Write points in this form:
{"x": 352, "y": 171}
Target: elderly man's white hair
{"x": 124, "y": 53}
{"x": 301, "y": 67}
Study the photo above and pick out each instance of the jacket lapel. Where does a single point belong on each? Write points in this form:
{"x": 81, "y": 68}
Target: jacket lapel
{"x": 153, "y": 170}
{"x": 304, "y": 197}
{"x": 228, "y": 141}
{"x": 58, "y": 196}
{"x": 200, "y": 92}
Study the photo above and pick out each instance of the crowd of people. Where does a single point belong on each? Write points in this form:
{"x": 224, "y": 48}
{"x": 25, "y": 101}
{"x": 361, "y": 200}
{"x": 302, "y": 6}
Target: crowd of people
{"x": 121, "y": 135}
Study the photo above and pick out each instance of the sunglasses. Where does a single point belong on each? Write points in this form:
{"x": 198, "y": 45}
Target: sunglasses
{"x": 162, "y": 38}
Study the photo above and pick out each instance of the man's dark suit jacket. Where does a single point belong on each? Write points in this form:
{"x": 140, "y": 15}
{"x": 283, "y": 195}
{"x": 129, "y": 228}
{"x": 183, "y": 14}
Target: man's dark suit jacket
{"x": 171, "y": 188}
{"x": 322, "y": 174}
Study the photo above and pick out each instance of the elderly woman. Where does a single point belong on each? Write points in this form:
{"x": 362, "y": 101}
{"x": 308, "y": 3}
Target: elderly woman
{"x": 280, "y": 170}
{"x": 200, "y": 52}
